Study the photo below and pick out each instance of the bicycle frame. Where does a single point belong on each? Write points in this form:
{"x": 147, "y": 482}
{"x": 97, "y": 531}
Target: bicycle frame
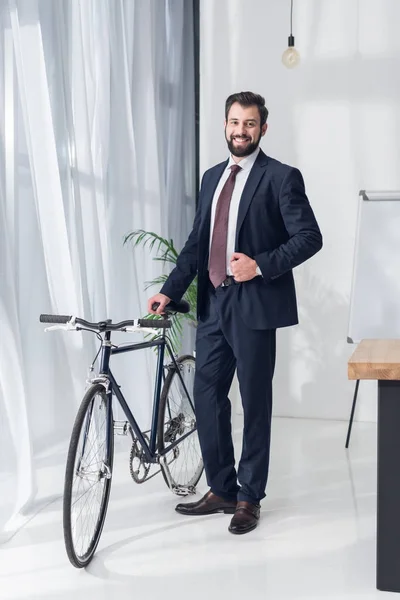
{"x": 152, "y": 455}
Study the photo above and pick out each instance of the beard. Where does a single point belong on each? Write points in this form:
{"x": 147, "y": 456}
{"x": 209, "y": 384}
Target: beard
{"x": 242, "y": 151}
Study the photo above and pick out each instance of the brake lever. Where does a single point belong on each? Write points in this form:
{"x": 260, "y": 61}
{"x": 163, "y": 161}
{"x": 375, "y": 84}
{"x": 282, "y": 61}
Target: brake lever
{"x": 65, "y": 327}
{"x": 137, "y": 329}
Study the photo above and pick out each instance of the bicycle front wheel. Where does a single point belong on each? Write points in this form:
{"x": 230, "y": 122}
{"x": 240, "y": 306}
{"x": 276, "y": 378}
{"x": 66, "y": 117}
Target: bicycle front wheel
{"x": 88, "y": 476}
{"x": 184, "y": 465}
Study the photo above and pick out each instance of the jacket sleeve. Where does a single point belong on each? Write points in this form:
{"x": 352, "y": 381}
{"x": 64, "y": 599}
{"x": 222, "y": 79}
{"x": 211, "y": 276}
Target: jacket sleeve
{"x": 186, "y": 265}
{"x": 305, "y": 238}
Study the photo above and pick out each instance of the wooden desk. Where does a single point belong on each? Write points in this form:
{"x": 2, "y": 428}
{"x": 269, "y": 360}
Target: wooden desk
{"x": 380, "y": 360}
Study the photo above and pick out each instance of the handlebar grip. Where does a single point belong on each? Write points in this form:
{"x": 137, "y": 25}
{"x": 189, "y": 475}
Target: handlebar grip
{"x": 173, "y": 307}
{"x": 54, "y": 319}
{"x": 155, "y": 323}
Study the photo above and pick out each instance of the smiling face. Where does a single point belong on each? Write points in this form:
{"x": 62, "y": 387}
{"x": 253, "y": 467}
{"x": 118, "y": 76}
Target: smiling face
{"x": 242, "y": 130}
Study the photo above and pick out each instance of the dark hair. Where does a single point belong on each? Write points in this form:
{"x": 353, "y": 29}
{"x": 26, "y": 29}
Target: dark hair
{"x": 248, "y": 99}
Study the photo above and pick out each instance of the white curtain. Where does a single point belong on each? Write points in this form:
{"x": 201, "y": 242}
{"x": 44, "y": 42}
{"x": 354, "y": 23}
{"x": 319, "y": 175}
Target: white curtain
{"x": 97, "y": 139}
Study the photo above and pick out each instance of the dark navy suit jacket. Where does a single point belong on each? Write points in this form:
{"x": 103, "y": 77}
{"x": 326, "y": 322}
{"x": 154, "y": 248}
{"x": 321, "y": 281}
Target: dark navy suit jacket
{"x": 276, "y": 226}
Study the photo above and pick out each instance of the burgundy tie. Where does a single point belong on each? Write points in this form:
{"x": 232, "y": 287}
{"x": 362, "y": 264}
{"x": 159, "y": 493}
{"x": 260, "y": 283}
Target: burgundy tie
{"x": 217, "y": 264}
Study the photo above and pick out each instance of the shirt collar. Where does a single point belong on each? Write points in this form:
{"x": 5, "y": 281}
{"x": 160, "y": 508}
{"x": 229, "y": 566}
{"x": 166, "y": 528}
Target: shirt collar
{"x": 245, "y": 163}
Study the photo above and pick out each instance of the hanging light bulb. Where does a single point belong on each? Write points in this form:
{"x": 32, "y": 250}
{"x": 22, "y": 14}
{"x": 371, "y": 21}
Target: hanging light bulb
{"x": 291, "y": 57}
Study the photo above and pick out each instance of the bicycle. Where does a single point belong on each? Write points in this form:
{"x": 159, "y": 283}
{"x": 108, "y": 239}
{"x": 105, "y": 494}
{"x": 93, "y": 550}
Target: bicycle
{"x": 171, "y": 442}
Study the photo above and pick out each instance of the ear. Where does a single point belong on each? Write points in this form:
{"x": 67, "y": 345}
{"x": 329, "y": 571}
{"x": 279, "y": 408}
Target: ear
{"x": 264, "y": 129}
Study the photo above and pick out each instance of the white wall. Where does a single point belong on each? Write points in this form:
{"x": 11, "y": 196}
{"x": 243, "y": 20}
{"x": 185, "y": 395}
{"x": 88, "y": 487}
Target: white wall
{"x": 336, "y": 117}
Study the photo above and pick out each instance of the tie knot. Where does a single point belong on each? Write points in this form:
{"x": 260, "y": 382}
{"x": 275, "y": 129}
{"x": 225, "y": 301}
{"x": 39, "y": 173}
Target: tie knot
{"x": 235, "y": 169}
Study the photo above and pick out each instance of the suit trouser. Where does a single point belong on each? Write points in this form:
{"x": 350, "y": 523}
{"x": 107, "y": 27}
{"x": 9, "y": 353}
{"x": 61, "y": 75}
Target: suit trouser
{"x": 224, "y": 343}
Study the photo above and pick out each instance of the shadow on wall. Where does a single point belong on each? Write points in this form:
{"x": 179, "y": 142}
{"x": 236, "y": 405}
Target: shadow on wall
{"x": 324, "y": 315}
{"x": 318, "y": 353}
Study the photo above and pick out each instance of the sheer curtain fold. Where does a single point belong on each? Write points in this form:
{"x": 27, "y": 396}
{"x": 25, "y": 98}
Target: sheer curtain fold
{"x": 97, "y": 128}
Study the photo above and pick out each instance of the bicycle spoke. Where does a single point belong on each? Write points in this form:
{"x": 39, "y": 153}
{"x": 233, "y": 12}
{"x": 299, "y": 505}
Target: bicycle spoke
{"x": 184, "y": 461}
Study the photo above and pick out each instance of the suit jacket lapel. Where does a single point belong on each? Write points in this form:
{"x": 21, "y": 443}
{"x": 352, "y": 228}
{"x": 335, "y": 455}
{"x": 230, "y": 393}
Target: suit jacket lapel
{"x": 208, "y": 194}
{"x": 252, "y": 182}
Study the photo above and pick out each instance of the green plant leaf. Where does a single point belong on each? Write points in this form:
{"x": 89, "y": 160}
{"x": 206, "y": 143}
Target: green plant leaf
{"x": 166, "y": 253}
{"x": 161, "y": 279}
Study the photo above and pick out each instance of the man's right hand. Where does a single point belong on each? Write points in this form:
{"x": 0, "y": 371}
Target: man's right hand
{"x": 162, "y": 300}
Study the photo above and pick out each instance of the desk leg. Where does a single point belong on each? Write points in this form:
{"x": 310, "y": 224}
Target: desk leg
{"x": 388, "y": 510}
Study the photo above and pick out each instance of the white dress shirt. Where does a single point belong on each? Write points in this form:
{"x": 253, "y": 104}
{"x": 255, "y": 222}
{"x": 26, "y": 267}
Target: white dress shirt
{"x": 246, "y": 165}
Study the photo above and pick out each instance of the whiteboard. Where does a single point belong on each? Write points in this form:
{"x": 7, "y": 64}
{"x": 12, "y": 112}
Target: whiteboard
{"x": 375, "y": 293}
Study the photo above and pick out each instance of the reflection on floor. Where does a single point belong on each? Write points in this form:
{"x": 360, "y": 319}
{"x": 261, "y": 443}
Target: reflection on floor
{"x": 316, "y": 538}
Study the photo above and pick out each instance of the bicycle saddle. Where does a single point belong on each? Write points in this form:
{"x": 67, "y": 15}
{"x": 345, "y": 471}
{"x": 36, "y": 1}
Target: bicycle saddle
{"x": 173, "y": 307}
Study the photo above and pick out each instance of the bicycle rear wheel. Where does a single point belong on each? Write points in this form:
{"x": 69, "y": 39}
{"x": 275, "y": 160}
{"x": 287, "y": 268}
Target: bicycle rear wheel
{"x": 88, "y": 476}
{"x": 184, "y": 465}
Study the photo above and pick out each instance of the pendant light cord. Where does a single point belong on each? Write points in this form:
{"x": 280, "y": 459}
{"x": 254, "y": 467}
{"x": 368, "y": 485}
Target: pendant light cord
{"x": 291, "y": 17}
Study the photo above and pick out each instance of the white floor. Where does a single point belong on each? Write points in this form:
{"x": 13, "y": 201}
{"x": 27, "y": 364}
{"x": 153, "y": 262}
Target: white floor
{"x": 316, "y": 538}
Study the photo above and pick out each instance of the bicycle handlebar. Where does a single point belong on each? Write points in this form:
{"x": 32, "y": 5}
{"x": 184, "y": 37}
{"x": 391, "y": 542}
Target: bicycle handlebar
{"x": 105, "y": 325}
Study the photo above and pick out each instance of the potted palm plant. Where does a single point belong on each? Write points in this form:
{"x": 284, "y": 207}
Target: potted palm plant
{"x": 165, "y": 252}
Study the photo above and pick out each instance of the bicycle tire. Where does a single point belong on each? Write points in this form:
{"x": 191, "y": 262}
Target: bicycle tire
{"x": 82, "y": 559}
{"x": 166, "y": 422}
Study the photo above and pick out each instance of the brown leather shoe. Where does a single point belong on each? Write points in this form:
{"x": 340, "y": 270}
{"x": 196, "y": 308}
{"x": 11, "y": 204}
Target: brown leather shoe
{"x": 246, "y": 517}
{"x": 208, "y": 505}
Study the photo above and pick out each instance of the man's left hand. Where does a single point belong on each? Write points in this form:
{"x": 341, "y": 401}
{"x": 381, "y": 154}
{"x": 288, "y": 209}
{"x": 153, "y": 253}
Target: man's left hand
{"x": 243, "y": 267}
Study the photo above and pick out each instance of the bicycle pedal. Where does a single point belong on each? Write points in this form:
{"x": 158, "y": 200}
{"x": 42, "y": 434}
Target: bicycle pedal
{"x": 181, "y": 490}
{"x": 121, "y": 427}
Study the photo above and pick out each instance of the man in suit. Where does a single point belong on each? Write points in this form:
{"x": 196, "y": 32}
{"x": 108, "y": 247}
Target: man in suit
{"x": 253, "y": 225}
